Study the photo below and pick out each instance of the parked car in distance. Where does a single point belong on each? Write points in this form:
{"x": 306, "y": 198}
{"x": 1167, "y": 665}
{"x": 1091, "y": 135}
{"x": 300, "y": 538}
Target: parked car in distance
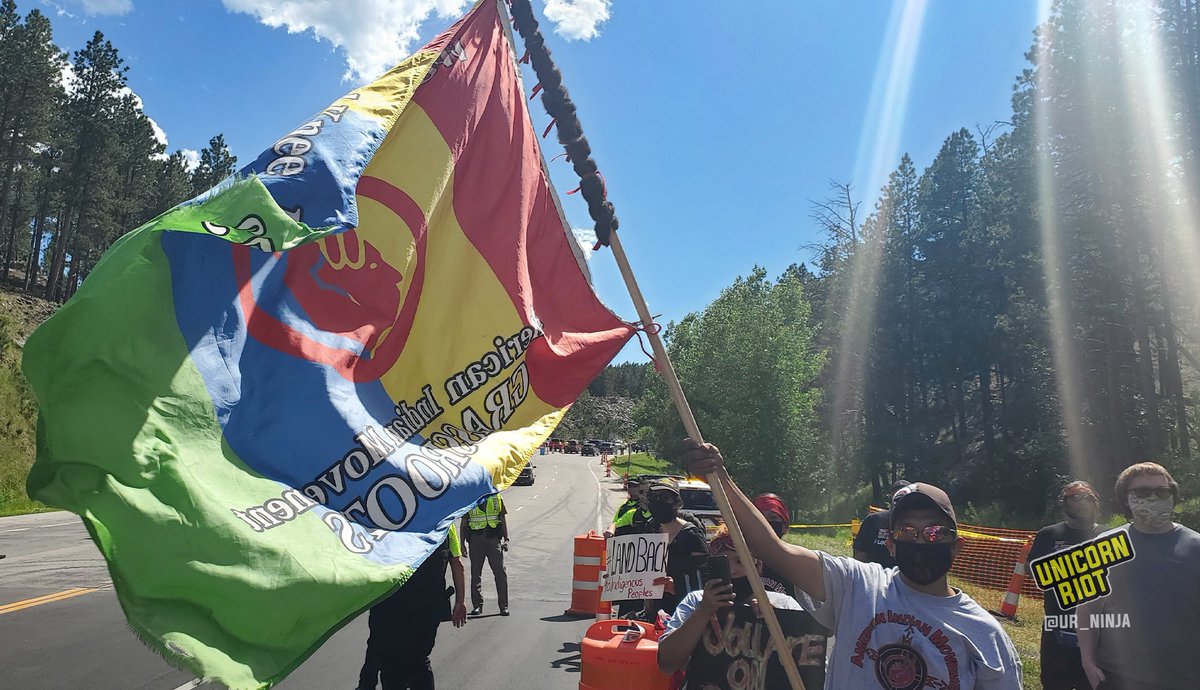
{"x": 650, "y": 477}
{"x": 698, "y": 499}
{"x": 587, "y": 449}
{"x": 571, "y": 447}
{"x": 526, "y": 476}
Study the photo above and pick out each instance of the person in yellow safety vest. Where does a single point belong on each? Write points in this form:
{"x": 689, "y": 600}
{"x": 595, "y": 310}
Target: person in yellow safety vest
{"x": 486, "y": 530}
{"x": 632, "y": 517}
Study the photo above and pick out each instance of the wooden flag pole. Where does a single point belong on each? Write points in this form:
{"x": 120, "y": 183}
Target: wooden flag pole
{"x": 667, "y": 371}
{"x": 591, "y": 184}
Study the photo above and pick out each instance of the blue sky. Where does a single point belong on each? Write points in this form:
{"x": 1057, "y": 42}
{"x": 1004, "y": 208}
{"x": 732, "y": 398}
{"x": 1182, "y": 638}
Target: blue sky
{"x": 715, "y": 124}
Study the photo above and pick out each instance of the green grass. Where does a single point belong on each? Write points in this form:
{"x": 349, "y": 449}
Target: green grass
{"x": 1026, "y": 631}
{"x": 18, "y": 415}
{"x": 642, "y": 463}
{"x": 833, "y": 541}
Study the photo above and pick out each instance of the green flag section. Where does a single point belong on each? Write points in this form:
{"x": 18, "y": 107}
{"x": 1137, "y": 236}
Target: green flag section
{"x": 270, "y": 403}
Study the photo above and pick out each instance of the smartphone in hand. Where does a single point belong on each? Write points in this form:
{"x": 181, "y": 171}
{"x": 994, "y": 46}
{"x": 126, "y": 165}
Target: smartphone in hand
{"x": 716, "y": 568}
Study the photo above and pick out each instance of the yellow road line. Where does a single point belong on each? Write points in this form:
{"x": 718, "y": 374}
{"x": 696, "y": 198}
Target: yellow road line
{"x": 45, "y": 599}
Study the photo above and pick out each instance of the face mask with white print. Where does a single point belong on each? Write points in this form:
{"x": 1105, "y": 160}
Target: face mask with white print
{"x": 1152, "y": 512}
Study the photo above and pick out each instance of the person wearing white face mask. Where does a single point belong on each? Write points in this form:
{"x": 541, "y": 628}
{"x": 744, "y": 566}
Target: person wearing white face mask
{"x": 1143, "y": 633}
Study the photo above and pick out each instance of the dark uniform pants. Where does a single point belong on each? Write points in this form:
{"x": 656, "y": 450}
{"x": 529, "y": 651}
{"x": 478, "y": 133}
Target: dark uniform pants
{"x": 482, "y": 548}
{"x": 398, "y": 651}
{"x": 1061, "y": 666}
{"x": 1114, "y": 682}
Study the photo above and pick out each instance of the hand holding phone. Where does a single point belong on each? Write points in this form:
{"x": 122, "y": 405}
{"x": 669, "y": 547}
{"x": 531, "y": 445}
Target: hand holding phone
{"x": 717, "y": 568}
{"x": 718, "y": 586}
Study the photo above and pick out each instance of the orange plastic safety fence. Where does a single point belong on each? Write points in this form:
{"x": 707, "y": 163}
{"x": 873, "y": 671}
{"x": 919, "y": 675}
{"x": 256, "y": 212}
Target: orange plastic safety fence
{"x": 989, "y": 556}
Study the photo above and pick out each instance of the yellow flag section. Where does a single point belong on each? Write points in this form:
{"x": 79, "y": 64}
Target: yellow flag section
{"x": 506, "y": 331}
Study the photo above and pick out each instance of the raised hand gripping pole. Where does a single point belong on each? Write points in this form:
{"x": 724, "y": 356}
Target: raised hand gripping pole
{"x": 667, "y": 371}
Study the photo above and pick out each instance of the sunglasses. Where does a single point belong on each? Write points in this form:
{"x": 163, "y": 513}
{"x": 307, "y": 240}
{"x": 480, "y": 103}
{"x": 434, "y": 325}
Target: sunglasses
{"x": 1147, "y": 493}
{"x": 934, "y": 534}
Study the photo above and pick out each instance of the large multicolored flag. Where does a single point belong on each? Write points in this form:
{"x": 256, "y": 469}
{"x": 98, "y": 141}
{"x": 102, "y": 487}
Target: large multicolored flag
{"x": 269, "y": 403}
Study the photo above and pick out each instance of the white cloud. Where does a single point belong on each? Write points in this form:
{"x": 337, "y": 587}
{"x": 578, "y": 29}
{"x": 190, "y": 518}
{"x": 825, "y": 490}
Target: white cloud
{"x": 586, "y": 239}
{"x": 94, "y": 7}
{"x": 59, "y": 10}
{"x": 191, "y": 159}
{"x": 67, "y": 77}
{"x": 374, "y": 35}
{"x": 577, "y": 19}
{"x": 159, "y": 135}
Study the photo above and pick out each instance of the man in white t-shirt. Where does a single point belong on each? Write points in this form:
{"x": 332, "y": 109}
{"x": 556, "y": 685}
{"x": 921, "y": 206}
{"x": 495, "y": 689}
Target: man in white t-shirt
{"x": 901, "y": 628}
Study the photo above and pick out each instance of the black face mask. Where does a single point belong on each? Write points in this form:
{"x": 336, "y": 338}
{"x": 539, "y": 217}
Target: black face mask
{"x": 663, "y": 512}
{"x": 924, "y": 563}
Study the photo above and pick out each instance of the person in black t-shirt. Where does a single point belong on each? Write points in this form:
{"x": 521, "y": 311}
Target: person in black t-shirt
{"x": 870, "y": 544}
{"x": 1060, "y": 663}
{"x": 687, "y": 548}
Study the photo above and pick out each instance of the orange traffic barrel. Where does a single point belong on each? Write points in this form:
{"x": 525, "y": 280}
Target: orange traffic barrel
{"x": 1008, "y": 607}
{"x": 603, "y": 608}
{"x": 585, "y": 576}
{"x": 621, "y": 655}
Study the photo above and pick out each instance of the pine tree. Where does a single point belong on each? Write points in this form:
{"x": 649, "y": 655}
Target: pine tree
{"x": 90, "y": 117}
{"x": 894, "y": 390}
{"x": 172, "y": 183}
{"x": 31, "y": 93}
{"x": 216, "y": 164}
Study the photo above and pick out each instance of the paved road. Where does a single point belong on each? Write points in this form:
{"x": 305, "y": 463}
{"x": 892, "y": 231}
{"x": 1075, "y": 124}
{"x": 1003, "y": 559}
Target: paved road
{"x": 61, "y": 627}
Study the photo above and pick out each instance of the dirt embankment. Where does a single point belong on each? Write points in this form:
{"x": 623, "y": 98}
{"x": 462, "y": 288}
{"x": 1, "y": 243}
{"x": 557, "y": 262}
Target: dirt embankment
{"x": 25, "y": 312}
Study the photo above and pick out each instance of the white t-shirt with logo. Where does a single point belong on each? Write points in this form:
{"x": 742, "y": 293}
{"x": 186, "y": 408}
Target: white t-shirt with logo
{"x": 890, "y": 636}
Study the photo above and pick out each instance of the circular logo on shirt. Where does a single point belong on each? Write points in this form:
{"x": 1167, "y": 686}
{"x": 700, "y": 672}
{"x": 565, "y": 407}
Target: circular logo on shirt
{"x": 900, "y": 667}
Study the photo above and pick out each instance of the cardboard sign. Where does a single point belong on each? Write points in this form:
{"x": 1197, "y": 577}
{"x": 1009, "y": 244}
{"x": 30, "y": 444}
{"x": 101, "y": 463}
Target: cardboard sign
{"x": 634, "y": 561}
{"x": 736, "y": 652}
